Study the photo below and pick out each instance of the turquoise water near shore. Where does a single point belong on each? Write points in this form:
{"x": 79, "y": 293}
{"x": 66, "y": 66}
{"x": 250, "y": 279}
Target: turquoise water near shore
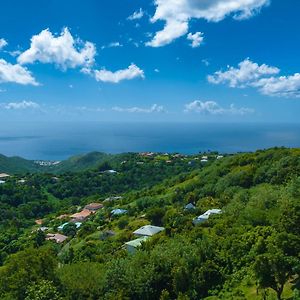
{"x": 57, "y": 141}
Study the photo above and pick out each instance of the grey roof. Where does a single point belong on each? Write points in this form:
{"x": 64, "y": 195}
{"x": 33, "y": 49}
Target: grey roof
{"x": 190, "y": 206}
{"x": 148, "y": 230}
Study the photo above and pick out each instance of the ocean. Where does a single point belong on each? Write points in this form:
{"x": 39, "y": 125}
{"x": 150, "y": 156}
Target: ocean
{"x": 58, "y": 141}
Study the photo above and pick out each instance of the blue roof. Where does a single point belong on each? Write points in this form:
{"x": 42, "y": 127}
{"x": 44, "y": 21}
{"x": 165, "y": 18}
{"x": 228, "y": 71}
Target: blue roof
{"x": 61, "y": 227}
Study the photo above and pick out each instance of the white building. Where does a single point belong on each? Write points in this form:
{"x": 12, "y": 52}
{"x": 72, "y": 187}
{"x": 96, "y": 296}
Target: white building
{"x": 148, "y": 230}
{"x": 204, "y": 217}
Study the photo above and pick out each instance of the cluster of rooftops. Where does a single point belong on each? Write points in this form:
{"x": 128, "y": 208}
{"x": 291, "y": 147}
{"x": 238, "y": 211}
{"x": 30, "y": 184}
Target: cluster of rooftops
{"x": 142, "y": 234}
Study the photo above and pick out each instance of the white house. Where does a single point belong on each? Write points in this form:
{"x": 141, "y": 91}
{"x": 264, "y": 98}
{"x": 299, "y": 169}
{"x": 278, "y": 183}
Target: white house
{"x": 148, "y": 230}
{"x": 204, "y": 217}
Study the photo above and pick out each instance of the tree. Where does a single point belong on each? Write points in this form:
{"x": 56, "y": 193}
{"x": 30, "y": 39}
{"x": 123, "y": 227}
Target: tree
{"x": 39, "y": 238}
{"x": 155, "y": 215}
{"x": 42, "y": 290}
{"x": 70, "y": 229}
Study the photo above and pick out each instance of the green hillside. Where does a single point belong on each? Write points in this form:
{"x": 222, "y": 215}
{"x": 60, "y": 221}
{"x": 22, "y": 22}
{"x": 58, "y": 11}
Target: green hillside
{"x": 251, "y": 250}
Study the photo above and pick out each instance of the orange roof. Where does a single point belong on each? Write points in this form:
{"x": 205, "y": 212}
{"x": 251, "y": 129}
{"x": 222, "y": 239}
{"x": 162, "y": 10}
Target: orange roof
{"x": 83, "y": 214}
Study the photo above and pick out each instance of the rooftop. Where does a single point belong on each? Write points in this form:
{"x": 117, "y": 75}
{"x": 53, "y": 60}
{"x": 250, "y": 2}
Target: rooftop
{"x": 137, "y": 242}
{"x": 148, "y": 230}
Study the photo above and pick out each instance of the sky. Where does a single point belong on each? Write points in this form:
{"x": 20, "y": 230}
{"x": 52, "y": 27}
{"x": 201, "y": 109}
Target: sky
{"x": 150, "y": 60}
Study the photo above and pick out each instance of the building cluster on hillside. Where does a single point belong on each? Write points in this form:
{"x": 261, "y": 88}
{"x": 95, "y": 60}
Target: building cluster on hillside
{"x": 3, "y": 177}
{"x": 46, "y": 163}
{"x": 76, "y": 218}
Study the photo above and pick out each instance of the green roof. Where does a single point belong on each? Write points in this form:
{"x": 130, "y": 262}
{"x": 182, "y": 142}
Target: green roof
{"x": 137, "y": 242}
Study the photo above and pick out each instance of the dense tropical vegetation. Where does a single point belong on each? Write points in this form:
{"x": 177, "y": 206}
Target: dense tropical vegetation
{"x": 250, "y": 251}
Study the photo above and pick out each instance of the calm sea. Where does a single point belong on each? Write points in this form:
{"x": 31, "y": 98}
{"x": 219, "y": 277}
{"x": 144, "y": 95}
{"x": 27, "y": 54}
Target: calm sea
{"x": 57, "y": 141}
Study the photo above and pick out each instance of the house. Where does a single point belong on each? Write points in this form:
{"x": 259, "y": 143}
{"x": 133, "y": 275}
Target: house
{"x": 133, "y": 245}
{"x": 22, "y": 181}
{"x": 190, "y": 206}
{"x": 80, "y": 216}
{"x": 110, "y": 199}
{"x": 118, "y": 212}
{"x": 220, "y": 156}
{"x": 4, "y": 176}
{"x": 148, "y": 230}
{"x": 204, "y": 217}
{"x": 110, "y": 172}
{"x": 204, "y": 161}
{"x": 61, "y": 227}
{"x": 93, "y": 207}
{"x": 56, "y": 237}
{"x": 2, "y": 181}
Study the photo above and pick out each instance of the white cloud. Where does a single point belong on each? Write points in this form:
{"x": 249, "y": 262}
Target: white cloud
{"x": 131, "y": 72}
{"x": 153, "y": 109}
{"x": 3, "y": 43}
{"x": 63, "y": 50}
{"x": 213, "y": 108}
{"x": 250, "y": 74}
{"x": 178, "y": 13}
{"x": 283, "y": 86}
{"x": 112, "y": 45}
{"x": 244, "y": 75}
{"x": 205, "y": 62}
{"x": 196, "y": 38}
{"x": 20, "y": 105}
{"x": 15, "y": 73}
{"x": 136, "y": 15}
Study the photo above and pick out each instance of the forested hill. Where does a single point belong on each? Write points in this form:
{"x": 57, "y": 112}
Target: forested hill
{"x": 18, "y": 165}
{"x": 251, "y": 250}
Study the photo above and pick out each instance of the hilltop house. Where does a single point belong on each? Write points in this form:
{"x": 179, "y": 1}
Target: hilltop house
{"x": 190, "y": 206}
{"x": 80, "y": 216}
{"x": 204, "y": 217}
{"x": 148, "y": 230}
{"x": 93, "y": 207}
{"x": 57, "y": 237}
{"x": 132, "y": 246}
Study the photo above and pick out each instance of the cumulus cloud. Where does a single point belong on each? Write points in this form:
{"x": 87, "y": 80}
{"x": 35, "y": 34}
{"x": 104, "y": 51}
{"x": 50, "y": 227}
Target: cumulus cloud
{"x": 213, "y": 108}
{"x": 136, "y": 15}
{"x": 62, "y": 50}
{"x": 131, "y": 72}
{"x": 3, "y": 43}
{"x": 177, "y": 13}
{"x": 20, "y": 105}
{"x": 244, "y": 75}
{"x": 262, "y": 77}
{"x": 283, "y": 86}
{"x": 196, "y": 38}
{"x": 153, "y": 109}
{"x": 15, "y": 73}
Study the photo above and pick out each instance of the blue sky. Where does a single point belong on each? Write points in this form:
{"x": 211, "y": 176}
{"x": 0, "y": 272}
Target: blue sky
{"x": 162, "y": 60}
